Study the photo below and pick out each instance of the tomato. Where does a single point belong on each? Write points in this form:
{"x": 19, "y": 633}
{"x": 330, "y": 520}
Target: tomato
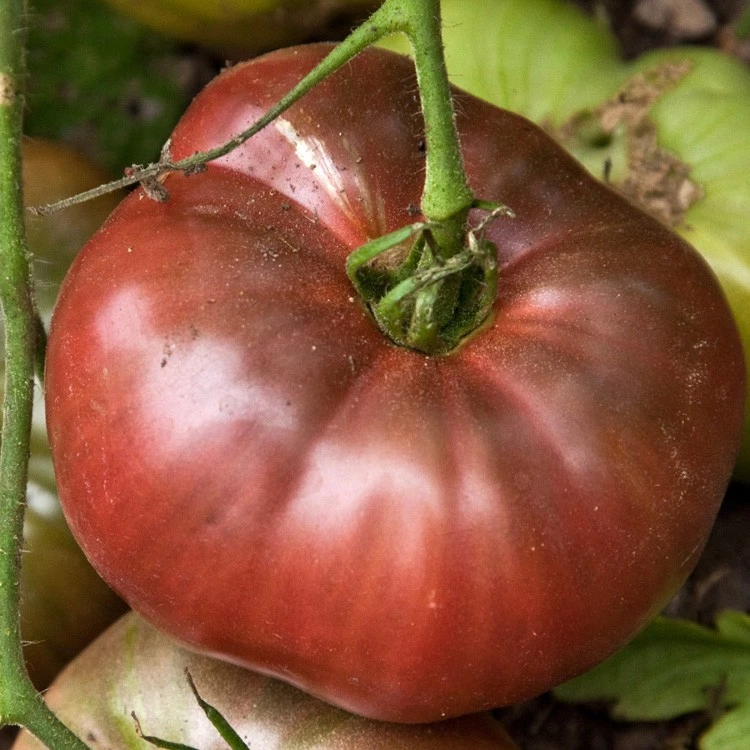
{"x": 262, "y": 474}
{"x": 64, "y": 603}
{"x": 240, "y": 28}
{"x": 682, "y": 153}
{"x": 134, "y": 668}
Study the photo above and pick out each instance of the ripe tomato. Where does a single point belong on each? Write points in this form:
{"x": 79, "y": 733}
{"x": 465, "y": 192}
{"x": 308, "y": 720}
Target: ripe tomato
{"x": 64, "y": 603}
{"x": 259, "y": 472}
{"x": 240, "y": 28}
{"x": 134, "y": 668}
{"x": 682, "y": 153}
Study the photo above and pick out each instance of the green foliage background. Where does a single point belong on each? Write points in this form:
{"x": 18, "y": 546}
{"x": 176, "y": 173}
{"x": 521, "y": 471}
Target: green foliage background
{"x": 103, "y": 83}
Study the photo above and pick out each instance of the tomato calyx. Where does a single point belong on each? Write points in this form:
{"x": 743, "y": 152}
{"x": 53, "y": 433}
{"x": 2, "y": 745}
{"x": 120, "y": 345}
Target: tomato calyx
{"x": 441, "y": 292}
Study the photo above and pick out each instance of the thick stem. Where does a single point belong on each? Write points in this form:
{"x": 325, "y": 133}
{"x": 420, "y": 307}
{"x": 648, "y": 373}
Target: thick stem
{"x": 431, "y": 307}
{"x": 19, "y": 701}
{"x": 18, "y": 313}
{"x": 446, "y": 191}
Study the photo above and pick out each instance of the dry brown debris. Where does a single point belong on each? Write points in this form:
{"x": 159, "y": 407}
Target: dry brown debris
{"x": 655, "y": 179}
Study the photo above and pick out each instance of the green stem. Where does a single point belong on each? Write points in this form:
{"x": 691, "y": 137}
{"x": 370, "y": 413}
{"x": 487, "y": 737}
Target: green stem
{"x": 19, "y": 701}
{"x": 430, "y": 303}
{"x": 442, "y": 292}
{"x": 446, "y": 193}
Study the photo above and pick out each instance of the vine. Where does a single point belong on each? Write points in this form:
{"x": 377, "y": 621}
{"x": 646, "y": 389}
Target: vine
{"x": 19, "y": 701}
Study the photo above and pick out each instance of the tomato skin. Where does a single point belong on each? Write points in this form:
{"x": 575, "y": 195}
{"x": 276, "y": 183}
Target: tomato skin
{"x": 134, "y": 668}
{"x": 411, "y": 538}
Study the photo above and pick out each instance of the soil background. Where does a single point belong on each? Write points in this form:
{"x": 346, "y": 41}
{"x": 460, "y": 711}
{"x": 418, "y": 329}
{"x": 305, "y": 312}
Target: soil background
{"x": 641, "y": 25}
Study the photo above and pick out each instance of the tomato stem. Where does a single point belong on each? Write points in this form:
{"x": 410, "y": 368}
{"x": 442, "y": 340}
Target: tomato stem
{"x": 446, "y": 196}
{"x": 444, "y": 290}
{"x": 446, "y": 190}
{"x": 742, "y": 25}
{"x": 19, "y": 701}
{"x": 434, "y": 309}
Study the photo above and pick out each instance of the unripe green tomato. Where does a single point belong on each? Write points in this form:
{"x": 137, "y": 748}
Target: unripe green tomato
{"x": 671, "y": 129}
{"x": 64, "y": 603}
{"x": 132, "y": 668}
{"x": 240, "y": 28}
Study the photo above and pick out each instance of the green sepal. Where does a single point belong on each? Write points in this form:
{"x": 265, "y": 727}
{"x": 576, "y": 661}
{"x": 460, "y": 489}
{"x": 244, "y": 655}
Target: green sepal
{"x": 429, "y": 302}
{"x": 372, "y": 282}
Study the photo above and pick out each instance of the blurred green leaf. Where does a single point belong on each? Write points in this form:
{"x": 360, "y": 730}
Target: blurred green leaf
{"x": 103, "y": 83}
{"x": 675, "y": 667}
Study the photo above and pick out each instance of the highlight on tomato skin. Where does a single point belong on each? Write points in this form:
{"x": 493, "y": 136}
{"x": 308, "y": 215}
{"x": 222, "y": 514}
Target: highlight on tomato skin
{"x": 261, "y": 474}
{"x": 133, "y": 668}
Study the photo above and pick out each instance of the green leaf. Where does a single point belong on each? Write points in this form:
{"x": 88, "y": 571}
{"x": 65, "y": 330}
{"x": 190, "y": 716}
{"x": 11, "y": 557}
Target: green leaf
{"x": 102, "y": 82}
{"x": 729, "y": 732}
{"x": 674, "y": 667}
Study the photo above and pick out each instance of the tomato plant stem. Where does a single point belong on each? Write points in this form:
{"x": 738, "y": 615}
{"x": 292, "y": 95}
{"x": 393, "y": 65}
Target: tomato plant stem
{"x": 17, "y": 307}
{"x": 446, "y": 192}
{"x": 441, "y": 305}
{"x": 19, "y": 701}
